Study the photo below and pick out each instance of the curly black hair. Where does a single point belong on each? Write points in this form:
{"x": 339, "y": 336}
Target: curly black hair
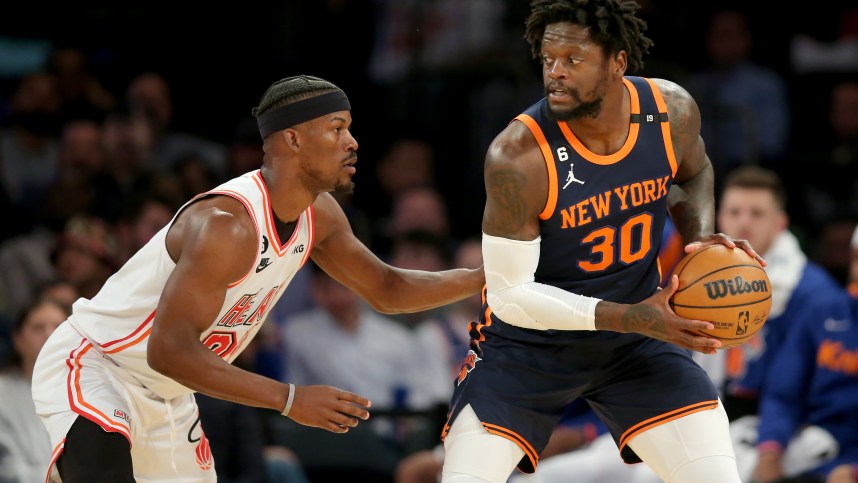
{"x": 612, "y": 23}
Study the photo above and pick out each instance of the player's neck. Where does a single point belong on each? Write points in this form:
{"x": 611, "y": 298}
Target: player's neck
{"x": 606, "y": 133}
{"x": 288, "y": 197}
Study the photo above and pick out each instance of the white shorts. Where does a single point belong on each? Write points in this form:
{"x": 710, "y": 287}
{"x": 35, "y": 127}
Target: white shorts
{"x": 72, "y": 379}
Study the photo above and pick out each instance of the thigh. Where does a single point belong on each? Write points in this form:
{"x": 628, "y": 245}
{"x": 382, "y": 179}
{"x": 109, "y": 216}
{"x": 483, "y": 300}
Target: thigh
{"x": 693, "y": 448}
{"x": 472, "y": 451}
{"x": 92, "y": 455}
{"x": 651, "y": 385}
{"x": 171, "y": 445}
{"x": 72, "y": 382}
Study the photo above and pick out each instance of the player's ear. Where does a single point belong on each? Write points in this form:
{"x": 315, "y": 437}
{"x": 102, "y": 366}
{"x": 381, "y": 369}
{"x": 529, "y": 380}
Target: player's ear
{"x": 620, "y": 63}
{"x": 292, "y": 139}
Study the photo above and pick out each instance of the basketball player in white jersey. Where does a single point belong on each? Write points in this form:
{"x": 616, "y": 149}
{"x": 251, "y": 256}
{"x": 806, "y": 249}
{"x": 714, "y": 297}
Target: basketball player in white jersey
{"x": 114, "y": 385}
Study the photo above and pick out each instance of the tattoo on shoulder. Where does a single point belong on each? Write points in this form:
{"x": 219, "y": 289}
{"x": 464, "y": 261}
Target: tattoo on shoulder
{"x": 680, "y": 111}
{"x": 507, "y": 211}
{"x": 643, "y": 320}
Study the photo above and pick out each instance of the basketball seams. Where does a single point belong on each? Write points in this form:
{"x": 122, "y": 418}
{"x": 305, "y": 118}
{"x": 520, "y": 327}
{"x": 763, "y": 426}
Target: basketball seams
{"x": 723, "y": 266}
{"x": 715, "y": 307}
{"x": 722, "y": 338}
{"x": 691, "y": 284}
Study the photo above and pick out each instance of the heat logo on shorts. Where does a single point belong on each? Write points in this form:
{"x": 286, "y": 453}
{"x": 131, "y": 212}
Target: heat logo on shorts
{"x": 203, "y": 451}
{"x": 121, "y": 415}
{"x": 468, "y": 366}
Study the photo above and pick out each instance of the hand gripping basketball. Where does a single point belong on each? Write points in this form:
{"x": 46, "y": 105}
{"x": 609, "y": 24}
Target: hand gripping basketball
{"x": 727, "y": 287}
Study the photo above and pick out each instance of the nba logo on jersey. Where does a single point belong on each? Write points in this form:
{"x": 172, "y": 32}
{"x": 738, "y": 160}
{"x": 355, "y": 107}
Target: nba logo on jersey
{"x": 468, "y": 366}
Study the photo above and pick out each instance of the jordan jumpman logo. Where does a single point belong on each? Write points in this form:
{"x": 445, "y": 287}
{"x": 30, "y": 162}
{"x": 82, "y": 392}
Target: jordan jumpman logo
{"x": 571, "y": 178}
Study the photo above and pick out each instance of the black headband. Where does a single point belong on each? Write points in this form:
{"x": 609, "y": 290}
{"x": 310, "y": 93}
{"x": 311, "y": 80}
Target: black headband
{"x": 301, "y": 111}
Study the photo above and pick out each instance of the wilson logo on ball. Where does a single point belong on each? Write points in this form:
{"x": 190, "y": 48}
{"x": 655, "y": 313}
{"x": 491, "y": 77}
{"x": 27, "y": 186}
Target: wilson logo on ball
{"x": 721, "y": 288}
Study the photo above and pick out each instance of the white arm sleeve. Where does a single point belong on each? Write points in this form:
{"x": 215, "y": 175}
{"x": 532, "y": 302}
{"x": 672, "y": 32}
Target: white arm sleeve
{"x": 513, "y": 295}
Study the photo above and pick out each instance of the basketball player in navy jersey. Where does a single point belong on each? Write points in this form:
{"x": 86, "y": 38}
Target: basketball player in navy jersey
{"x": 114, "y": 384}
{"x": 572, "y": 301}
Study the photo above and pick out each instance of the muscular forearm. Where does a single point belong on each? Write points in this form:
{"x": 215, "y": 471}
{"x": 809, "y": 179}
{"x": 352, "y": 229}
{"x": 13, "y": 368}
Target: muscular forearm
{"x": 692, "y": 206}
{"x": 417, "y": 290}
{"x": 198, "y": 368}
{"x": 629, "y": 318}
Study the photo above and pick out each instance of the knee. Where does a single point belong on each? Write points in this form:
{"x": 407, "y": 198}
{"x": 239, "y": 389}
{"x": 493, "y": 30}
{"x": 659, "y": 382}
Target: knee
{"x": 709, "y": 469}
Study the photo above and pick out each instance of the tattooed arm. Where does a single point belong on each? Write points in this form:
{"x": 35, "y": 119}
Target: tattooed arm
{"x": 516, "y": 192}
{"x": 691, "y": 200}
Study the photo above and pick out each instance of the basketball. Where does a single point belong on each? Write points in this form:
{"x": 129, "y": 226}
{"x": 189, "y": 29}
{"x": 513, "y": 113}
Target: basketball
{"x": 724, "y": 286}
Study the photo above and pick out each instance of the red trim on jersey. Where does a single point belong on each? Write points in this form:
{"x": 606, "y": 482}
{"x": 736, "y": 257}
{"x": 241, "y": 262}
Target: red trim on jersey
{"x": 75, "y": 395}
{"x": 132, "y": 334}
{"x": 55, "y": 455}
{"x": 311, "y": 233}
{"x": 280, "y": 248}
{"x": 665, "y": 126}
{"x": 631, "y": 139}
{"x": 550, "y": 164}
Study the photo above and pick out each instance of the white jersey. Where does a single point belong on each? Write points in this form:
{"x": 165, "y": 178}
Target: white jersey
{"x": 118, "y": 320}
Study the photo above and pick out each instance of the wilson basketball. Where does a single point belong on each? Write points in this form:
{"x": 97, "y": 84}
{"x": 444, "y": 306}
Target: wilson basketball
{"x": 724, "y": 286}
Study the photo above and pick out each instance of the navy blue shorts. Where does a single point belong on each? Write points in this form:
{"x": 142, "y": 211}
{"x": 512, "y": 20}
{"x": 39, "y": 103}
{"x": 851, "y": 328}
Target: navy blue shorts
{"x": 518, "y": 385}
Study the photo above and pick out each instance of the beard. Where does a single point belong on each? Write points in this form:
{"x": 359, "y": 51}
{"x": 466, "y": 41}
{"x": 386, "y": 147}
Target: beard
{"x": 344, "y": 187}
{"x": 584, "y": 109}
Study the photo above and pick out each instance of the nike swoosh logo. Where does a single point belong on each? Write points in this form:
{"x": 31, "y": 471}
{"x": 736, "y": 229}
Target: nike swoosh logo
{"x": 263, "y": 264}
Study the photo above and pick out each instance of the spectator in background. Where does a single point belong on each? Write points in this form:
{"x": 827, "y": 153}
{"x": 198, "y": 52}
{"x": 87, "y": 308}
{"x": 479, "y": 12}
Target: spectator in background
{"x": 141, "y": 218}
{"x": 808, "y": 422}
{"x": 743, "y": 105}
{"x": 245, "y": 149}
{"x": 87, "y": 254}
{"x": 28, "y": 146}
{"x": 752, "y": 207}
{"x": 825, "y": 174}
{"x": 347, "y": 331}
{"x": 148, "y": 96}
{"x": 345, "y": 344}
{"x": 408, "y": 163}
{"x": 420, "y": 249}
{"x": 82, "y": 93}
{"x": 25, "y": 449}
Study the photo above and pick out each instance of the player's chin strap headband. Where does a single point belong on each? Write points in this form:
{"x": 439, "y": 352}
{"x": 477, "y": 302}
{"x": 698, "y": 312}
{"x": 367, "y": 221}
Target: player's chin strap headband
{"x": 301, "y": 111}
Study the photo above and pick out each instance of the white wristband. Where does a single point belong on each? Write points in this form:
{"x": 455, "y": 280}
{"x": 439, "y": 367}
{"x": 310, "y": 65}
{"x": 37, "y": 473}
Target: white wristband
{"x": 290, "y": 400}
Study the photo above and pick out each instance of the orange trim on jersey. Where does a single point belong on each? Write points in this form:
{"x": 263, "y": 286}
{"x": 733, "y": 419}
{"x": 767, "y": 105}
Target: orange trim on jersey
{"x": 55, "y": 455}
{"x": 631, "y": 139}
{"x": 548, "y": 156}
{"x": 664, "y": 418}
{"x": 311, "y": 233}
{"x": 137, "y": 340}
{"x": 279, "y": 247}
{"x": 515, "y": 438}
{"x": 488, "y": 316}
{"x": 665, "y": 126}
{"x": 76, "y": 401}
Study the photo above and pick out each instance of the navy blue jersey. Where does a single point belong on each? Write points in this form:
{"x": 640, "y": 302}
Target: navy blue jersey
{"x": 601, "y": 232}
{"x": 602, "y": 226}
{"x": 602, "y": 235}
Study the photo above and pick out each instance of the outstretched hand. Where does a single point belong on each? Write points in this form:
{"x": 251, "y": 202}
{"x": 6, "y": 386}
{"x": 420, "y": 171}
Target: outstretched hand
{"x": 654, "y": 318}
{"x": 726, "y": 240}
{"x": 328, "y": 408}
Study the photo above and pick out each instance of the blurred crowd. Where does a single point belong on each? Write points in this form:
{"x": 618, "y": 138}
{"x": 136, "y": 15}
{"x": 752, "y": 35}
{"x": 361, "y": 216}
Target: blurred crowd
{"x": 97, "y": 154}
